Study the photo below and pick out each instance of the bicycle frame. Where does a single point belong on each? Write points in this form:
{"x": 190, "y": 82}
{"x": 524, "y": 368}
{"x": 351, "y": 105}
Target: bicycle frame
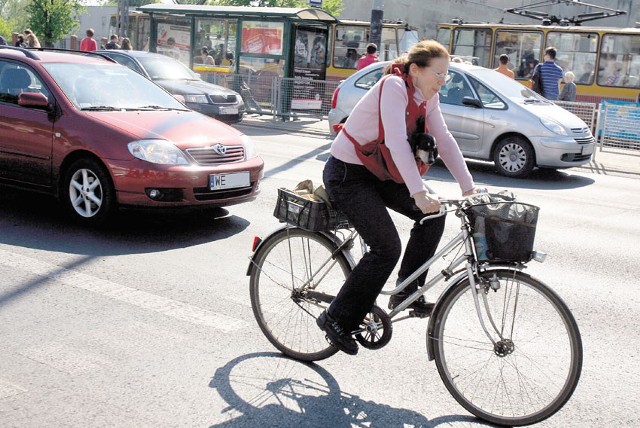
{"x": 470, "y": 270}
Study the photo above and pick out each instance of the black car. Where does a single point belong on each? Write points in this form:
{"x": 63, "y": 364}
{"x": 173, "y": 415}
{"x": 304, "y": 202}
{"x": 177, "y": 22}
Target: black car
{"x": 206, "y": 98}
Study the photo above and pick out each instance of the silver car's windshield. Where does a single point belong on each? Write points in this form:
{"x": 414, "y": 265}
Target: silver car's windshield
{"x": 107, "y": 87}
{"x": 505, "y": 86}
{"x": 164, "y": 67}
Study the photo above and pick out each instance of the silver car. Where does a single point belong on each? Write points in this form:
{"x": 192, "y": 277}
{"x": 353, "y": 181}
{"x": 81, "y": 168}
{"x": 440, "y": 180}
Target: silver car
{"x": 492, "y": 118}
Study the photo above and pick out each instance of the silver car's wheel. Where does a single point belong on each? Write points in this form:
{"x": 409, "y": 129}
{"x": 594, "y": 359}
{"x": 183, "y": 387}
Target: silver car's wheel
{"x": 87, "y": 192}
{"x": 513, "y": 157}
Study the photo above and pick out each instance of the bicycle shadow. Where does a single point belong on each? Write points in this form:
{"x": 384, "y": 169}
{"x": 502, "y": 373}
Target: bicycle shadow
{"x": 268, "y": 389}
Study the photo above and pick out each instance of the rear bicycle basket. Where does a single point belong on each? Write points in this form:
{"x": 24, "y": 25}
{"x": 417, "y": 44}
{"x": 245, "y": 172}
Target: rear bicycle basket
{"x": 309, "y": 214}
{"x": 503, "y": 231}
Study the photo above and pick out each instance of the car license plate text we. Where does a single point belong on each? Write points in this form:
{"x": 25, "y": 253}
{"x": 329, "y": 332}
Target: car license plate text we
{"x": 229, "y": 181}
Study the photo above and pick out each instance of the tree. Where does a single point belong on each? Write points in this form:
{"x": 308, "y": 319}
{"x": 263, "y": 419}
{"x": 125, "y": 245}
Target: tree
{"x": 53, "y": 19}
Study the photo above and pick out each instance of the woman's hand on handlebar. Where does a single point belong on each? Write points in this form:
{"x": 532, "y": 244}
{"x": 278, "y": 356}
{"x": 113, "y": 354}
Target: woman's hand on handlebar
{"x": 427, "y": 202}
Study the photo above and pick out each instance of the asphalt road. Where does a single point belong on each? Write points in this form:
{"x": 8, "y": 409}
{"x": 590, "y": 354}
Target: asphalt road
{"x": 148, "y": 323}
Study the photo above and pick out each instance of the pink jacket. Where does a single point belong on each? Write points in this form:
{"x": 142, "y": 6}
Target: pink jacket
{"x": 362, "y": 126}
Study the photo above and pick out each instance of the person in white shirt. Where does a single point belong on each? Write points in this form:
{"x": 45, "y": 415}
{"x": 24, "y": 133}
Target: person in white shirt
{"x": 364, "y": 189}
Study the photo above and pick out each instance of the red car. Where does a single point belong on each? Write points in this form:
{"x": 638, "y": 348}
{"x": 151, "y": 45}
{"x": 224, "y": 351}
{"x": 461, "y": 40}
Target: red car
{"x": 99, "y": 136}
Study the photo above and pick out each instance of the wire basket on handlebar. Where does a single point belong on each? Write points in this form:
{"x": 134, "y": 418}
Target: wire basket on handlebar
{"x": 503, "y": 230}
{"x": 308, "y": 213}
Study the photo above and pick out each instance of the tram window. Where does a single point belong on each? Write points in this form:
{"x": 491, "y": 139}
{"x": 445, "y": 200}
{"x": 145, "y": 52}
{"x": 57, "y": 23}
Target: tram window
{"x": 618, "y": 65}
{"x": 523, "y": 49}
{"x": 576, "y": 52}
{"x": 473, "y": 43}
{"x": 351, "y": 42}
{"x": 388, "y": 49}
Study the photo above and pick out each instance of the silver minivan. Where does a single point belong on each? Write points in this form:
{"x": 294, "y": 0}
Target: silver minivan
{"x": 493, "y": 118}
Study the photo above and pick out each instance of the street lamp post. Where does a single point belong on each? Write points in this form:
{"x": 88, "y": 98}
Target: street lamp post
{"x": 377, "y": 12}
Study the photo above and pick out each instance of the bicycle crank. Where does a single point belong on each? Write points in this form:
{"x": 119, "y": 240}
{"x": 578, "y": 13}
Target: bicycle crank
{"x": 375, "y": 330}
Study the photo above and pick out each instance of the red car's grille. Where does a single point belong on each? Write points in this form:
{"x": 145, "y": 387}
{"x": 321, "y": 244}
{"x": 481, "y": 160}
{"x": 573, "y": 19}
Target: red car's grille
{"x": 209, "y": 156}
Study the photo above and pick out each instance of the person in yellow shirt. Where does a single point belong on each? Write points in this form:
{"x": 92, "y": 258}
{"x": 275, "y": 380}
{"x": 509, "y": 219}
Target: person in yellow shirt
{"x": 504, "y": 60}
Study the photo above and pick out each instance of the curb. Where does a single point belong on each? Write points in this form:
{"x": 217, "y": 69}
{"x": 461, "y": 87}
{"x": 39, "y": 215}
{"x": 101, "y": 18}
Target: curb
{"x": 294, "y": 126}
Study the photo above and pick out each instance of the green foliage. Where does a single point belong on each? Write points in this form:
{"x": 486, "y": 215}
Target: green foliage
{"x": 5, "y": 30}
{"x": 52, "y": 20}
{"x": 334, "y": 7}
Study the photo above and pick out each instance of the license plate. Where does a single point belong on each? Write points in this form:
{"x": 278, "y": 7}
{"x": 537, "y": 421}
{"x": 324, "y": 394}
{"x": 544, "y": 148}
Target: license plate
{"x": 229, "y": 181}
{"x": 586, "y": 150}
{"x": 228, "y": 110}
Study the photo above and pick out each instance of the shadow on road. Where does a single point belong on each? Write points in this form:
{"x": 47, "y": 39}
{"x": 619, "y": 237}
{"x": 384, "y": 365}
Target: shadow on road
{"x": 269, "y": 390}
{"x": 37, "y": 221}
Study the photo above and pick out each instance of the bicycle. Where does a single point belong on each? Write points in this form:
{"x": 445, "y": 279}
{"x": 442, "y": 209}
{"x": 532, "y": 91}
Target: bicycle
{"x": 517, "y": 362}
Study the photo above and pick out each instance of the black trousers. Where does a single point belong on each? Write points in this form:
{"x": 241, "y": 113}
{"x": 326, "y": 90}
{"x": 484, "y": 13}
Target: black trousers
{"x": 365, "y": 199}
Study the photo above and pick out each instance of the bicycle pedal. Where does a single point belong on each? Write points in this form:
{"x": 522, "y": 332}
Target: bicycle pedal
{"x": 419, "y": 314}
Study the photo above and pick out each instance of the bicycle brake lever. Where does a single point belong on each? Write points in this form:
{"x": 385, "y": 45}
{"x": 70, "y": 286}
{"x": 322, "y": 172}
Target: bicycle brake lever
{"x": 440, "y": 213}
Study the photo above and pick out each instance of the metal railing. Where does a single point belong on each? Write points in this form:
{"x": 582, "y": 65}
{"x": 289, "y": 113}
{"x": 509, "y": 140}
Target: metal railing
{"x": 619, "y": 126}
{"x": 585, "y": 111}
{"x": 281, "y": 97}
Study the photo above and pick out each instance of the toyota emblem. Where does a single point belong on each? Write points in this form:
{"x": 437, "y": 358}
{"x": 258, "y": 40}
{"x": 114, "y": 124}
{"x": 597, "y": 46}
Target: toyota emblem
{"x": 219, "y": 149}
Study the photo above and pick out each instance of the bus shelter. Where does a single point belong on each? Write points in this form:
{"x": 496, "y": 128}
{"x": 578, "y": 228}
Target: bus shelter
{"x": 288, "y": 42}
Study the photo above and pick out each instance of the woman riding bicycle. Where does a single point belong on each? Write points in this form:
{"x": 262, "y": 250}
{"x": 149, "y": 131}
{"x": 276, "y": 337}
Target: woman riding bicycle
{"x": 364, "y": 177}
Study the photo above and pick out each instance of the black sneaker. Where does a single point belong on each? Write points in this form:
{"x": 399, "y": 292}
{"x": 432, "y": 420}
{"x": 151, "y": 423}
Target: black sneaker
{"x": 419, "y": 305}
{"x": 336, "y": 334}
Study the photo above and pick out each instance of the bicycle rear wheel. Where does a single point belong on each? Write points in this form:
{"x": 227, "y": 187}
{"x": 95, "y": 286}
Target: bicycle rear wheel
{"x": 528, "y": 375}
{"x": 294, "y": 279}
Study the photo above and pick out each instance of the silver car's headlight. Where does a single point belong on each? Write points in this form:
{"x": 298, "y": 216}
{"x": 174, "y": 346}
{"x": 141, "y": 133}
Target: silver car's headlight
{"x": 249, "y": 147}
{"x": 554, "y": 126}
{"x": 197, "y": 99}
{"x": 157, "y": 151}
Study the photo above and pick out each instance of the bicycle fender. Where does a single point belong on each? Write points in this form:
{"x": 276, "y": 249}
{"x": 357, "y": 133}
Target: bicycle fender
{"x": 436, "y": 309}
{"x": 333, "y": 238}
{"x": 252, "y": 259}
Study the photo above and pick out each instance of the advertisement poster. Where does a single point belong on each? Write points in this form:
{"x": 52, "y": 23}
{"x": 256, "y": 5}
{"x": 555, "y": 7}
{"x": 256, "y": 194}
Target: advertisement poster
{"x": 174, "y": 41}
{"x": 310, "y": 53}
{"x": 262, "y": 37}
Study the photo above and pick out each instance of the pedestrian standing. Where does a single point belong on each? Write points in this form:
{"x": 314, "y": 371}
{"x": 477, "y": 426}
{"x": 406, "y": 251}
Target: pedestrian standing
{"x": 113, "y": 43}
{"x": 550, "y": 74}
{"x": 503, "y": 67}
{"x": 568, "y": 92}
{"x": 30, "y": 39}
{"x": 369, "y": 58}
{"x": 20, "y": 43}
{"x": 126, "y": 44}
{"x": 89, "y": 44}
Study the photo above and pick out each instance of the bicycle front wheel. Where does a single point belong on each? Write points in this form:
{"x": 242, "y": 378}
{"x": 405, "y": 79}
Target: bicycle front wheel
{"x": 294, "y": 279}
{"x": 533, "y": 367}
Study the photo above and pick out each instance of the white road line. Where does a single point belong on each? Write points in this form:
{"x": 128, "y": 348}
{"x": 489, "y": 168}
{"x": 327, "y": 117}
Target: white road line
{"x": 142, "y": 299}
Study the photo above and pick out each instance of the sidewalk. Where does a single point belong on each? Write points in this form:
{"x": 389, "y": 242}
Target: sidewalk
{"x": 608, "y": 162}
